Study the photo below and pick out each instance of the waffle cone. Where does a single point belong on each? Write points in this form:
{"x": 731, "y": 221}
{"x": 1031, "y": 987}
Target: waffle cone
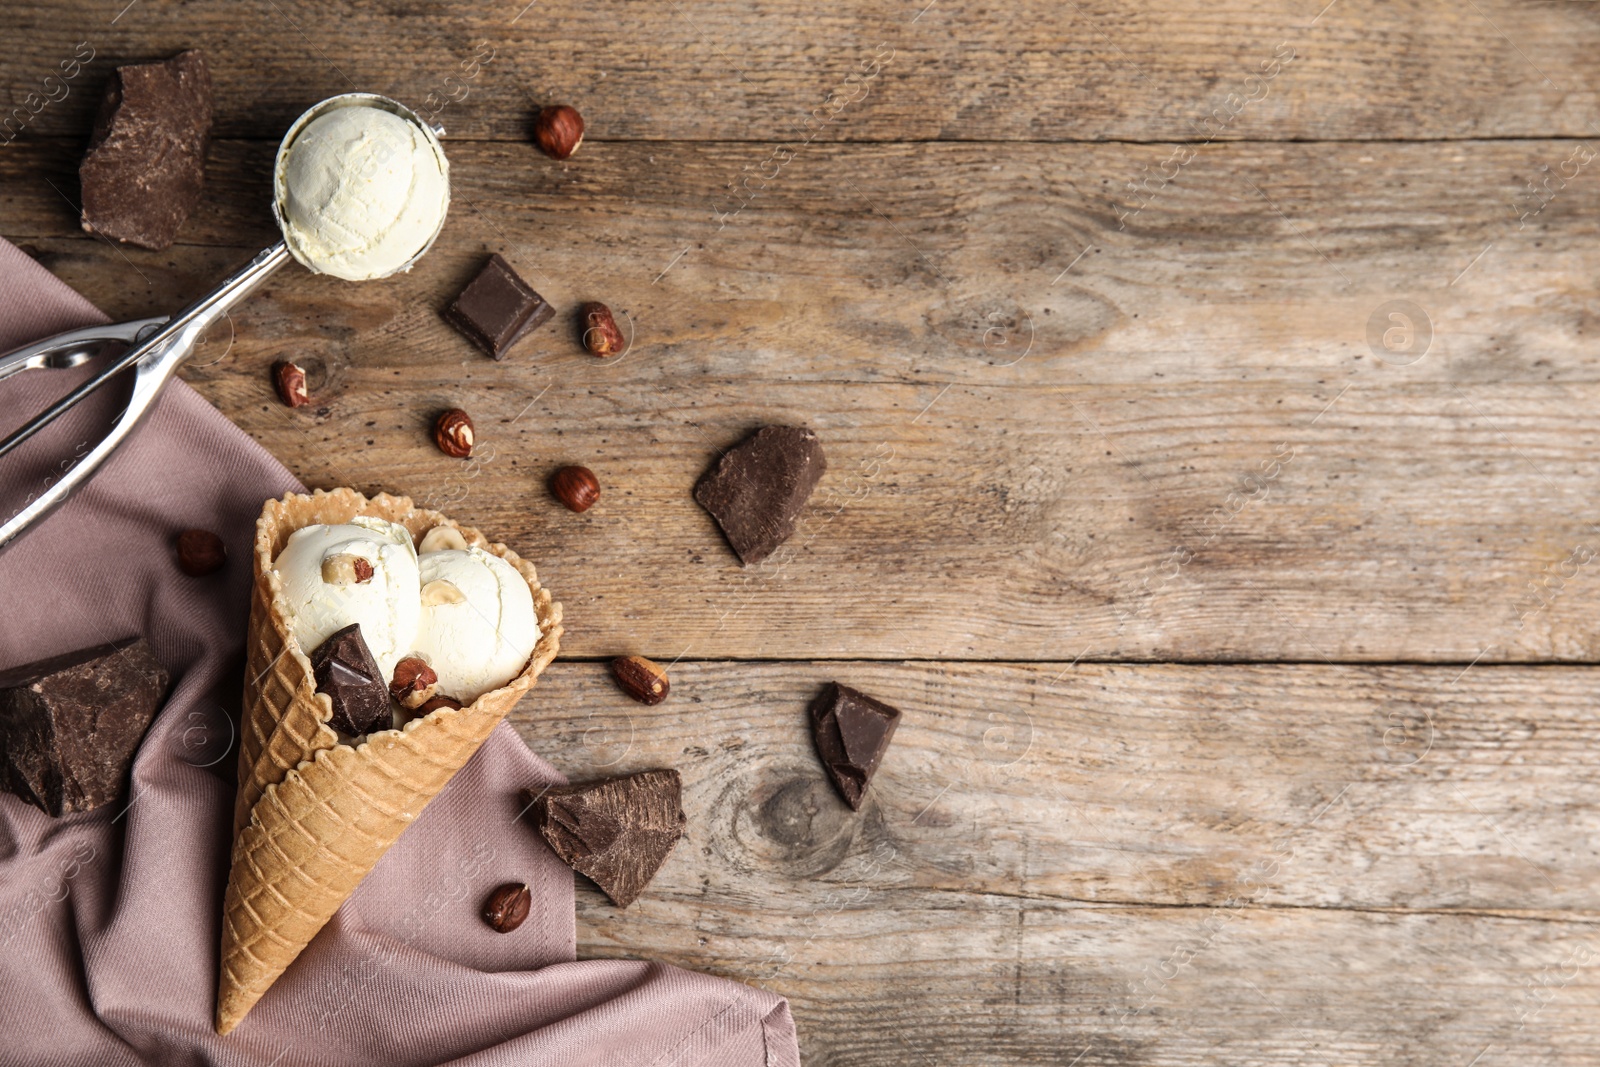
{"x": 312, "y": 815}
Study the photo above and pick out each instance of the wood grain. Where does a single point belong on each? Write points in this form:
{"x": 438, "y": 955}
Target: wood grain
{"x": 789, "y": 70}
{"x": 1168, "y": 864}
{"x": 1199, "y": 456}
{"x": 1095, "y": 320}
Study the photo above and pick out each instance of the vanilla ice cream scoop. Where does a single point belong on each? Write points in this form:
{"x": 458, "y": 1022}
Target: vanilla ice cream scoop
{"x": 362, "y": 191}
{"x": 362, "y": 572}
{"x": 478, "y": 624}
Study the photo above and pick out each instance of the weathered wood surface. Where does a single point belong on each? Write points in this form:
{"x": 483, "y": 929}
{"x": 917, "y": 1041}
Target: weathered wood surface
{"x": 1183, "y": 449}
{"x": 1082, "y": 402}
{"x": 787, "y": 69}
{"x": 1162, "y": 864}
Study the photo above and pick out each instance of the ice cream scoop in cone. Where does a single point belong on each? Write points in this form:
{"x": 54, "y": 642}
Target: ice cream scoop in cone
{"x": 315, "y": 813}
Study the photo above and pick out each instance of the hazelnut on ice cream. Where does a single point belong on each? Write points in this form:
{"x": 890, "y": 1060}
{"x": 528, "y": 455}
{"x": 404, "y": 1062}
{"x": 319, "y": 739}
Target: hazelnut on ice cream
{"x": 480, "y": 640}
{"x": 362, "y": 572}
{"x": 361, "y": 192}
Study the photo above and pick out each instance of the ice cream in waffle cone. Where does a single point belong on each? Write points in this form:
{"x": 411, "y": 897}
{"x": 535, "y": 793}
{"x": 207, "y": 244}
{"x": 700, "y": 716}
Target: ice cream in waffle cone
{"x": 316, "y": 810}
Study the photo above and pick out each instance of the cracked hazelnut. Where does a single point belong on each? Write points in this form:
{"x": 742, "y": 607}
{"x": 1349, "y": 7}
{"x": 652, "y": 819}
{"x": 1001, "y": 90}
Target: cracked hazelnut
{"x": 414, "y": 682}
{"x": 439, "y": 592}
{"x": 576, "y": 487}
{"x": 559, "y": 131}
{"x": 600, "y": 334}
{"x": 441, "y": 538}
{"x": 453, "y": 433}
{"x": 346, "y": 569}
{"x": 290, "y": 382}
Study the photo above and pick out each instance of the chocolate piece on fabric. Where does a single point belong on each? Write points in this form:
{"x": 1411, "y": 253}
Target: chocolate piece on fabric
{"x": 69, "y": 724}
{"x": 110, "y": 919}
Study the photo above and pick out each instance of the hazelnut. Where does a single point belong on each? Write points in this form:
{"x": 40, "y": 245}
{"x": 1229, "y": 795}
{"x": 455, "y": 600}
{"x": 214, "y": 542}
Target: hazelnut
{"x": 559, "y": 131}
{"x": 346, "y": 569}
{"x": 441, "y": 538}
{"x": 437, "y": 701}
{"x": 439, "y": 592}
{"x": 641, "y": 679}
{"x": 600, "y": 334}
{"x": 576, "y": 487}
{"x": 507, "y": 907}
{"x": 200, "y": 552}
{"x": 452, "y": 432}
{"x": 290, "y": 381}
{"x": 414, "y": 682}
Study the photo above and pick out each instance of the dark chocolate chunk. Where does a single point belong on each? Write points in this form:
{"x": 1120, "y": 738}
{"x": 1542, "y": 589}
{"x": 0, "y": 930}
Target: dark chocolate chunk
{"x": 497, "y": 308}
{"x": 70, "y": 724}
{"x": 851, "y": 731}
{"x": 617, "y": 831}
{"x": 345, "y": 670}
{"x": 756, "y": 490}
{"x": 146, "y": 162}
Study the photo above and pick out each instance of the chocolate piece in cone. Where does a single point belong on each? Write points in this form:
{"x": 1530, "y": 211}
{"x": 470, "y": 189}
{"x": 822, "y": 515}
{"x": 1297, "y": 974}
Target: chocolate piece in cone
{"x": 313, "y": 816}
{"x": 617, "y": 831}
{"x": 345, "y": 670}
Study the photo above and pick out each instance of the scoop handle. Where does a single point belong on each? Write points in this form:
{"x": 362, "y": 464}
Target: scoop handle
{"x": 155, "y": 359}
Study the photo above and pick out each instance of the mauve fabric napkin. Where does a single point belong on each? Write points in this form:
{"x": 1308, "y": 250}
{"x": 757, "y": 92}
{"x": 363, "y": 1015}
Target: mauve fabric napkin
{"x": 109, "y": 921}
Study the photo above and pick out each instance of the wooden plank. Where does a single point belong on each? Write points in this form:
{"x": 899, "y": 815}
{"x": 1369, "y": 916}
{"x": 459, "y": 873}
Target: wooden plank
{"x": 940, "y": 263}
{"x": 783, "y": 69}
{"x": 1297, "y": 786}
{"x": 1166, "y": 865}
{"x": 1200, "y": 456}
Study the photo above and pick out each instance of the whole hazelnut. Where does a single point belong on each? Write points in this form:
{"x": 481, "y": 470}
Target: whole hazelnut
{"x": 600, "y": 334}
{"x": 290, "y": 381}
{"x": 452, "y": 432}
{"x": 559, "y": 131}
{"x": 576, "y": 487}
{"x": 200, "y": 552}
{"x": 507, "y": 907}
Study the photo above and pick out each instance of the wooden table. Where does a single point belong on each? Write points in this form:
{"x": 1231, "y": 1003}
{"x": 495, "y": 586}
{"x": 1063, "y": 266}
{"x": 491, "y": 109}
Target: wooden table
{"x": 1211, "y": 408}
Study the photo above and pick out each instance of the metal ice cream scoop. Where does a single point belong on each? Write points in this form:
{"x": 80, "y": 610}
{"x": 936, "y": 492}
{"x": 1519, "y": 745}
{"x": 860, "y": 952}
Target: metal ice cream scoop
{"x": 155, "y": 347}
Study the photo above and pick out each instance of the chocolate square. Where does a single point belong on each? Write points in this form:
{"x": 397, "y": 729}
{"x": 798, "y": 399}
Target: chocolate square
{"x": 851, "y": 731}
{"x": 70, "y": 724}
{"x": 145, "y": 167}
{"x": 758, "y": 488}
{"x": 497, "y": 308}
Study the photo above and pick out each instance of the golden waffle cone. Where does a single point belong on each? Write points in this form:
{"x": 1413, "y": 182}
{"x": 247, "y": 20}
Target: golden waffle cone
{"x": 313, "y": 816}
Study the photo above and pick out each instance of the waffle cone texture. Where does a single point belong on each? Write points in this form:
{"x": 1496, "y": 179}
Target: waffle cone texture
{"x": 313, "y": 815}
